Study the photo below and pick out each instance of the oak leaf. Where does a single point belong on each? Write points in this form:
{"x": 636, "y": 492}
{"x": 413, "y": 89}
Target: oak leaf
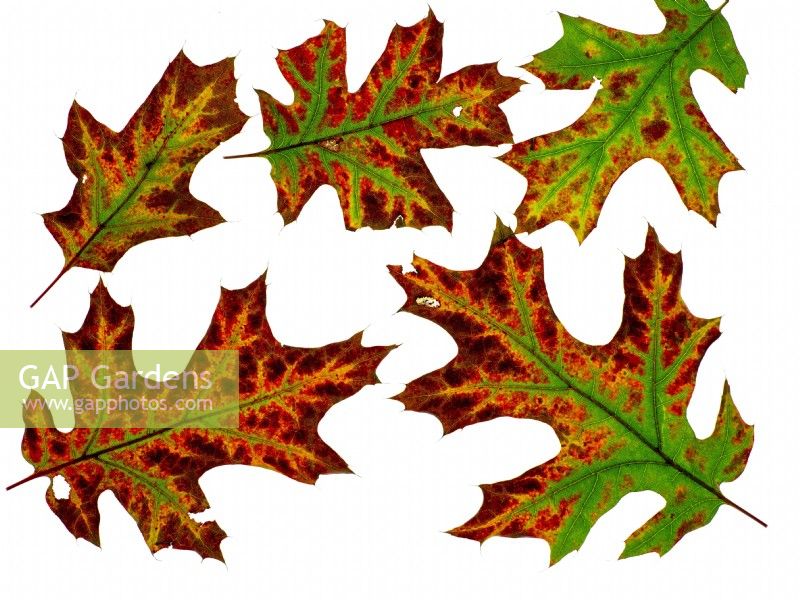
{"x": 645, "y": 109}
{"x": 133, "y": 185}
{"x": 283, "y": 394}
{"x": 618, "y": 410}
{"x": 367, "y": 144}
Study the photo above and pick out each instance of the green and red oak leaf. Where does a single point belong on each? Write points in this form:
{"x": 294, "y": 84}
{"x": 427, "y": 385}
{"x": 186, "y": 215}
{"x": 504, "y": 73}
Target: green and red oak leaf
{"x": 133, "y": 185}
{"x": 283, "y": 394}
{"x": 619, "y": 410}
{"x": 367, "y": 144}
{"x": 645, "y": 109}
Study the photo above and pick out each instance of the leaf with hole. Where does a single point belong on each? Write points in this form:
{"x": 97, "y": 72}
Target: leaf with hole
{"x": 283, "y": 394}
{"x": 367, "y": 144}
{"x": 133, "y": 185}
{"x": 619, "y": 410}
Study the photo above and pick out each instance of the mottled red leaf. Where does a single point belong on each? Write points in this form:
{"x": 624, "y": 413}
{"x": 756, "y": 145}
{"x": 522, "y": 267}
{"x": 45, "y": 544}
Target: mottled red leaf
{"x": 284, "y": 392}
{"x": 367, "y": 144}
{"x": 133, "y": 186}
{"x": 619, "y": 410}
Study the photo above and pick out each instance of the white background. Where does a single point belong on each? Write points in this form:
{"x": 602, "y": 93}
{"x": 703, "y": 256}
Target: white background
{"x": 378, "y": 534}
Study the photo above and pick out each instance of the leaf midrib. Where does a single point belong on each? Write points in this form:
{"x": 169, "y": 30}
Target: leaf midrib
{"x": 257, "y": 400}
{"x": 364, "y": 128}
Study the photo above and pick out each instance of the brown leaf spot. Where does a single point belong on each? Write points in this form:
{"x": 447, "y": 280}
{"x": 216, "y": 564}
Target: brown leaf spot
{"x": 655, "y": 131}
{"x": 551, "y": 520}
{"x": 696, "y": 521}
{"x": 620, "y": 83}
{"x": 676, "y": 20}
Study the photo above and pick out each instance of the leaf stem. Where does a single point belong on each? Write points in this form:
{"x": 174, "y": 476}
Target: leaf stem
{"x": 259, "y": 154}
{"x": 49, "y": 287}
{"x": 31, "y": 477}
{"x": 744, "y": 511}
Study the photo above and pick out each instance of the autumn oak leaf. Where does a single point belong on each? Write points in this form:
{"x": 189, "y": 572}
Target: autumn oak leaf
{"x": 367, "y": 144}
{"x": 619, "y": 410}
{"x": 645, "y": 109}
{"x": 133, "y": 185}
{"x": 283, "y": 394}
